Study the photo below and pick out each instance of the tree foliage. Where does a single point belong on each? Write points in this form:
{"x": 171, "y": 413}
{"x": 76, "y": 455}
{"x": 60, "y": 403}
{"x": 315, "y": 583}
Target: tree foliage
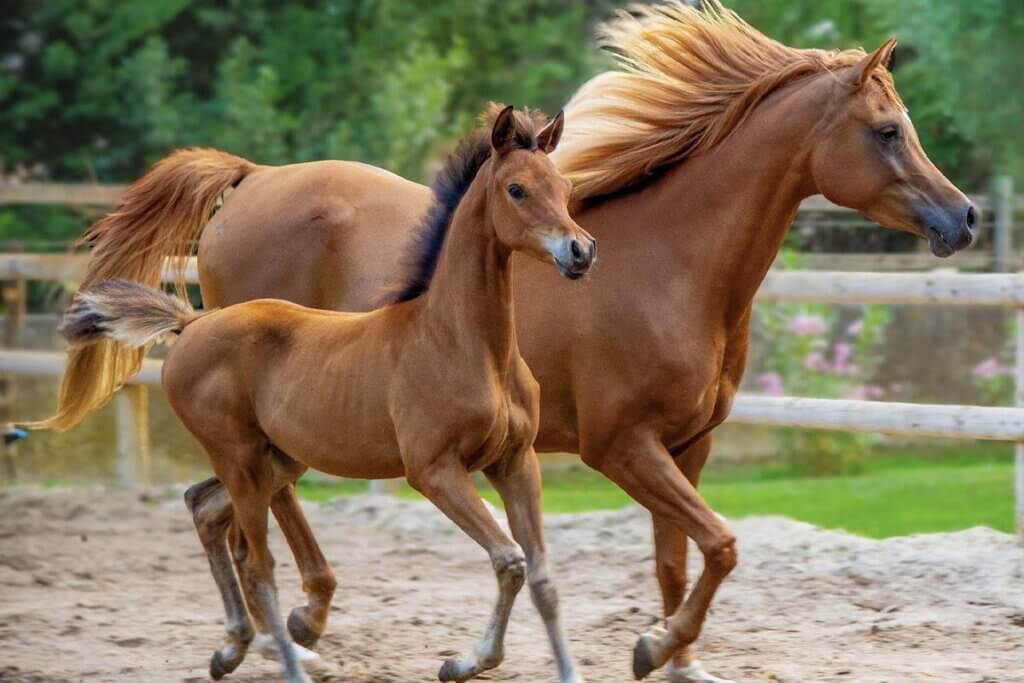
{"x": 93, "y": 88}
{"x": 98, "y": 89}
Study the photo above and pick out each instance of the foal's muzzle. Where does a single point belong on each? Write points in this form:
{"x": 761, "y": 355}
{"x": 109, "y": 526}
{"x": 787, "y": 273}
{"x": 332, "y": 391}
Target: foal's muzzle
{"x": 574, "y": 257}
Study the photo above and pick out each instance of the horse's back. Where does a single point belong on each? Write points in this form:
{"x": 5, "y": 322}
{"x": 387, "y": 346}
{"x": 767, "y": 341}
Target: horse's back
{"x": 326, "y": 234}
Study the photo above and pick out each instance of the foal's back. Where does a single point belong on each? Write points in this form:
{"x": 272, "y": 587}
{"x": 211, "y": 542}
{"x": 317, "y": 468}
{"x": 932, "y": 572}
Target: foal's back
{"x": 314, "y": 382}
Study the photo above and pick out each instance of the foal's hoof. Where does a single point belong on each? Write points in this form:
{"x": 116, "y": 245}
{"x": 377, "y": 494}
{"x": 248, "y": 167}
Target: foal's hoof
{"x": 220, "y": 666}
{"x": 300, "y": 631}
{"x": 458, "y": 671}
{"x": 644, "y": 658}
{"x": 449, "y": 671}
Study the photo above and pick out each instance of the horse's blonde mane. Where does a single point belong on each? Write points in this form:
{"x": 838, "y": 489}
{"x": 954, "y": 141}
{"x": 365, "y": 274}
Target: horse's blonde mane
{"x": 687, "y": 79}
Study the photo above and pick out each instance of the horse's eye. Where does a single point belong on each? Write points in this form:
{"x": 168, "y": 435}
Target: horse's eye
{"x": 516, "y": 191}
{"x": 889, "y": 133}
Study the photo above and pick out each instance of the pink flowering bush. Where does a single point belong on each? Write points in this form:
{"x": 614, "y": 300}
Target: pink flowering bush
{"x": 807, "y": 353}
{"x": 995, "y": 381}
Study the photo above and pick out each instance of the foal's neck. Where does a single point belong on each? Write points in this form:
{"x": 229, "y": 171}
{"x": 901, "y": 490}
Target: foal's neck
{"x": 469, "y": 300}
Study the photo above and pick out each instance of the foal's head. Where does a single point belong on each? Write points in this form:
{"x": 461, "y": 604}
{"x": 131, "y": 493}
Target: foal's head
{"x": 870, "y": 159}
{"x": 528, "y": 199}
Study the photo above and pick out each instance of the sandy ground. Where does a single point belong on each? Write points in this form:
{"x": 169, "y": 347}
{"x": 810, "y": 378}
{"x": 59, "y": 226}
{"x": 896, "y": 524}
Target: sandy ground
{"x": 113, "y": 586}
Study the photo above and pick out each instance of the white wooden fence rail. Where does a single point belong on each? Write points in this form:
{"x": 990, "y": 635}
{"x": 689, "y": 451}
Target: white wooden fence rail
{"x": 946, "y": 288}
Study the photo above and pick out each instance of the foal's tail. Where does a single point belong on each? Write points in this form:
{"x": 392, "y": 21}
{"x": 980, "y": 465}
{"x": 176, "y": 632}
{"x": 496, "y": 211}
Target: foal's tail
{"x": 160, "y": 217}
{"x": 127, "y": 312}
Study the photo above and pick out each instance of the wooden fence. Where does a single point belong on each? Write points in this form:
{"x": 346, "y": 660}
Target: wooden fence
{"x": 1002, "y": 204}
{"x": 936, "y": 288}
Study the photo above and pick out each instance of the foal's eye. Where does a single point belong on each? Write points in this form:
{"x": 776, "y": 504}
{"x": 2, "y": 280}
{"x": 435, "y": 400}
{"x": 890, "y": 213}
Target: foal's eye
{"x": 516, "y": 191}
{"x": 889, "y": 133}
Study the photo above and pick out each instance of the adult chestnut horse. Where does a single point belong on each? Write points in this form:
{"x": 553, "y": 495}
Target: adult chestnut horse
{"x": 353, "y": 394}
{"x": 689, "y": 165}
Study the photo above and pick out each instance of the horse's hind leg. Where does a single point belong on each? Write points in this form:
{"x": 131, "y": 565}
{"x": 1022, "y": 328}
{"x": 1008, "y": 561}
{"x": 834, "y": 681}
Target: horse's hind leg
{"x": 519, "y": 484}
{"x": 305, "y": 623}
{"x": 446, "y": 483}
{"x": 211, "y": 510}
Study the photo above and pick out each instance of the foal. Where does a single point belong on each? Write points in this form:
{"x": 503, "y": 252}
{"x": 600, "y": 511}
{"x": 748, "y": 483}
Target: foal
{"x": 432, "y": 388}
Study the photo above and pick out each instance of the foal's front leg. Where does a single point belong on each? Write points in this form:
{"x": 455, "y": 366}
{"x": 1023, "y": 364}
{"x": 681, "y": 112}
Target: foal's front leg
{"x": 518, "y": 482}
{"x": 446, "y": 483}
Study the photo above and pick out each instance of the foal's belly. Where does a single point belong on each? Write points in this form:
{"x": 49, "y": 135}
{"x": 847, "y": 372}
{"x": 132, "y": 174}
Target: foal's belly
{"x": 356, "y": 453}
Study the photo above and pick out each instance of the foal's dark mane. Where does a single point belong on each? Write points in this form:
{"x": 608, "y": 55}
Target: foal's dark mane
{"x": 451, "y": 185}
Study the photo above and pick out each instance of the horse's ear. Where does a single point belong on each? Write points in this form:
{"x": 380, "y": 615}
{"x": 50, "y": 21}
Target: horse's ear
{"x": 882, "y": 56}
{"x": 504, "y": 130}
{"x": 548, "y": 137}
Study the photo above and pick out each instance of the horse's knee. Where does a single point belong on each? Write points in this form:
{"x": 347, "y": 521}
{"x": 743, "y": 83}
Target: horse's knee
{"x": 197, "y": 494}
{"x": 721, "y": 559}
{"x": 510, "y": 567}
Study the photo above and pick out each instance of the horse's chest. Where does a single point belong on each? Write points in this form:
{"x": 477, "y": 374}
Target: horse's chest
{"x": 703, "y": 394}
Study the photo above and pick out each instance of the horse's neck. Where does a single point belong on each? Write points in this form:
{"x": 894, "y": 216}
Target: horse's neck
{"x": 724, "y": 215}
{"x": 469, "y": 299}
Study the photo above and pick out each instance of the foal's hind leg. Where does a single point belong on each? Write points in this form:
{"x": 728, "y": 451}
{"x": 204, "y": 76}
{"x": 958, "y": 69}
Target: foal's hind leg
{"x": 211, "y": 510}
{"x": 305, "y": 623}
{"x": 252, "y": 471}
{"x": 519, "y": 484}
{"x": 446, "y": 483}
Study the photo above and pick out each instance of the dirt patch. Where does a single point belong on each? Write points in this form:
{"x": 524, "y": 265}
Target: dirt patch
{"x": 114, "y": 586}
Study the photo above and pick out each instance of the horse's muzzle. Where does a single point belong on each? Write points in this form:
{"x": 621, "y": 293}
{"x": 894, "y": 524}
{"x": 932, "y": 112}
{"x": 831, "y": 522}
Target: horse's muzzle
{"x": 949, "y": 230}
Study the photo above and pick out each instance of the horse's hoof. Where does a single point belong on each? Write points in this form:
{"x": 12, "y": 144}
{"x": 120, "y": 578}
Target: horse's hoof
{"x": 643, "y": 657}
{"x": 300, "y": 631}
{"x": 219, "y": 667}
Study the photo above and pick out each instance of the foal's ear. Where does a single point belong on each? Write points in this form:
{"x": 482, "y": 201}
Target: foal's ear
{"x": 504, "y": 130}
{"x": 548, "y": 137}
{"x": 883, "y": 55}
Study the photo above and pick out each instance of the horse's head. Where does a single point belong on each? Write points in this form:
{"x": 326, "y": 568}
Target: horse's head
{"x": 869, "y": 158}
{"x": 529, "y": 199}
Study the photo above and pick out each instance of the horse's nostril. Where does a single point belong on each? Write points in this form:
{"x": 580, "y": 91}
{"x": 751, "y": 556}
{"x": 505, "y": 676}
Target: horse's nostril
{"x": 972, "y": 217}
{"x": 577, "y": 250}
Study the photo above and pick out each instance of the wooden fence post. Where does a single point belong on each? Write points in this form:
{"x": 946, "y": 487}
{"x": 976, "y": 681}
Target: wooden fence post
{"x": 1002, "y": 214}
{"x": 15, "y": 294}
{"x": 132, "y": 414}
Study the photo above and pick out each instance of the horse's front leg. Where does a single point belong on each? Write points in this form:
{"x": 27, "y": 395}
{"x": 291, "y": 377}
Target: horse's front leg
{"x": 641, "y": 465}
{"x": 446, "y": 483}
{"x": 670, "y": 552}
{"x": 518, "y": 482}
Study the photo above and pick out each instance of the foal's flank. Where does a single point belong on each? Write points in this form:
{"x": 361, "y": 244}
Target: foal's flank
{"x": 270, "y": 388}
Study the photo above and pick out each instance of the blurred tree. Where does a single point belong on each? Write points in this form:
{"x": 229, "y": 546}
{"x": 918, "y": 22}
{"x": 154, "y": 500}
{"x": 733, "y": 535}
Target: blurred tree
{"x": 967, "y": 78}
{"x": 99, "y": 89}
{"x": 93, "y": 89}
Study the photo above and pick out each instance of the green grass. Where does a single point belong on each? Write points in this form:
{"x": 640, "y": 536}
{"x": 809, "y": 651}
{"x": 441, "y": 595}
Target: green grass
{"x": 896, "y": 494}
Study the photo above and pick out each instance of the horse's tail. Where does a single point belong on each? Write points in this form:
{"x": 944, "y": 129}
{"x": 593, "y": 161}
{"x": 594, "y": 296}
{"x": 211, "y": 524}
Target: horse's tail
{"x": 159, "y": 217}
{"x": 127, "y": 312}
